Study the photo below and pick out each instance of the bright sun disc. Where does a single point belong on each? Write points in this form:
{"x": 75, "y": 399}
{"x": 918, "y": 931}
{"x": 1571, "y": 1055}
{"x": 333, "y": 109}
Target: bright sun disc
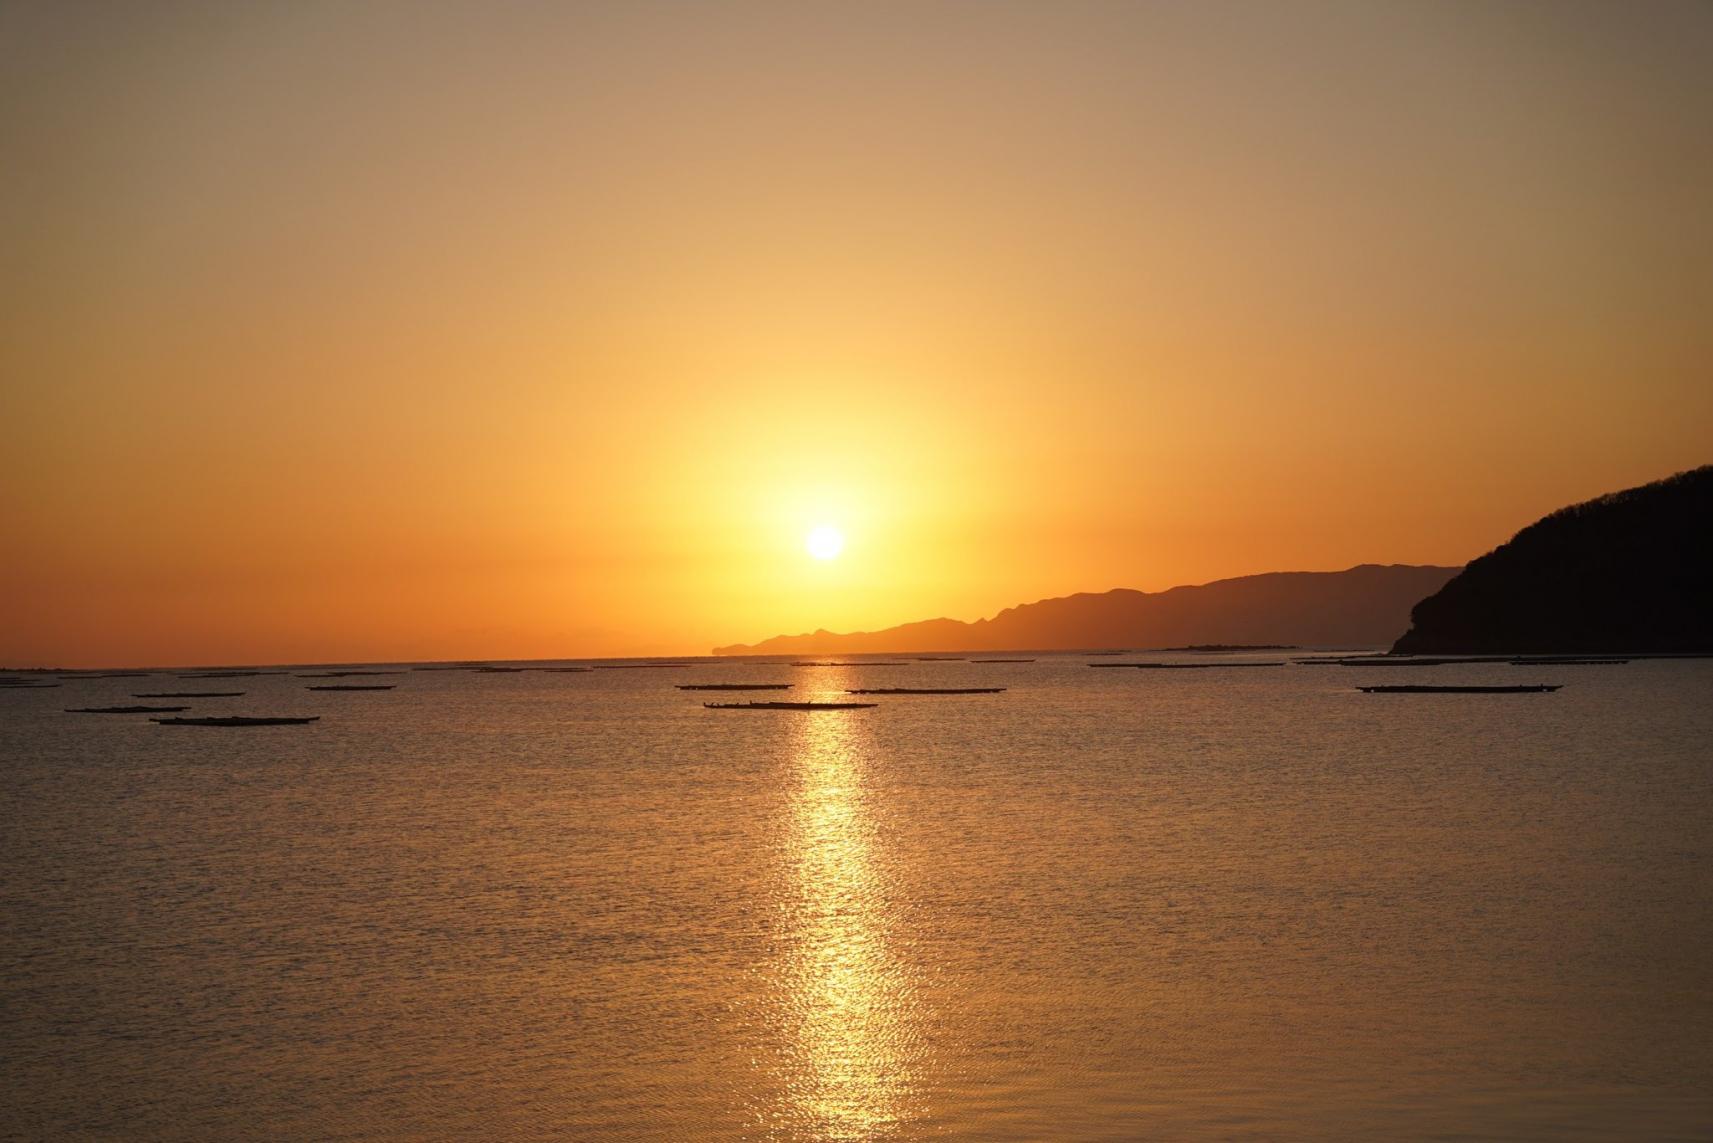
{"x": 825, "y": 542}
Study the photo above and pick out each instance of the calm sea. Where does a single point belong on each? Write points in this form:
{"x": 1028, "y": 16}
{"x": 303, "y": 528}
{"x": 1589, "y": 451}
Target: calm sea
{"x": 1104, "y": 905}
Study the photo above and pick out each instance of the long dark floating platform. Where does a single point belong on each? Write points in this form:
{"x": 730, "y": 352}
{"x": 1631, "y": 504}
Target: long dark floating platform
{"x": 354, "y": 687}
{"x": 634, "y": 666}
{"x": 789, "y": 705}
{"x": 1185, "y": 666}
{"x": 875, "y": 663}
{"x": 236, "y": 720}
{"x": 1538, "y": 688}
{"x": 192, "y": 694}
{"x": 124, "y": 709}
{"x": 734, "y": 686}
{"x": 927, "y": 691}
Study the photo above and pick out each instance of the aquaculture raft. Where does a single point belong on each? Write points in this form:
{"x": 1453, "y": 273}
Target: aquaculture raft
{"x": 236, "y": 720}
{"x": 927, "y": 691}
{"x": 789, "y": 705}
{"x": 124, "y": 709}
{"x": 1539, "y": 688}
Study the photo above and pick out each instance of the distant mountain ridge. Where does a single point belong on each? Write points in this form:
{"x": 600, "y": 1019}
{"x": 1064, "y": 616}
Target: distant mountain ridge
{"x": 1630, "y": 571}
{"x": 1365, "y": 605}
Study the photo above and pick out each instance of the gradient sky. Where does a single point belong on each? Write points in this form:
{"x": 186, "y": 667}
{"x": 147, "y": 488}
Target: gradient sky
{"x": 344, "y": 331}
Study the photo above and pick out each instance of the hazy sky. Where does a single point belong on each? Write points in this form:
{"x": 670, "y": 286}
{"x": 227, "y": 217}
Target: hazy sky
{"x": 370, "y": 330}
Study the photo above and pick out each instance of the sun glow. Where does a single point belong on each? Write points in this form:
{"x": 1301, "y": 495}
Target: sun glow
{"x": 825, "y": 542}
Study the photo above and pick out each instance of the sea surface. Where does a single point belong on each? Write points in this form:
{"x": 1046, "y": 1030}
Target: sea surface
{"x": 1103, "y": 905}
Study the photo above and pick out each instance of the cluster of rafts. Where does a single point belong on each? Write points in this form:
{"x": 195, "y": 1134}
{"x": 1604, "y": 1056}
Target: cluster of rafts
{"x": 1384, "y": 660}
{"x": 174, "y": 715}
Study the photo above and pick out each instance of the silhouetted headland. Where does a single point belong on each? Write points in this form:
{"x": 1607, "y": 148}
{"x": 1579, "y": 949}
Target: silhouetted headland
{"x": 1628, "y": 572}
{"x": 1369, "y": 604}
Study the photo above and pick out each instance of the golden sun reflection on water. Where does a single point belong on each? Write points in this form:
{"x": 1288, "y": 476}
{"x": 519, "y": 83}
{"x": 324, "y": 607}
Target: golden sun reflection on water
{"x": 851, "y": 1020}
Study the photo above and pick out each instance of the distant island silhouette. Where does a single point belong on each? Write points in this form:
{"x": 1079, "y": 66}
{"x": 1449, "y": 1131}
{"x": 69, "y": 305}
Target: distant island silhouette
{"x": 1630, "y": 571}
{"x": 1367, "y": 605}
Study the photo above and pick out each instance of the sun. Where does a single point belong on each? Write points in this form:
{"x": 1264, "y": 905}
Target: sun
{"x": 825, "y": 542}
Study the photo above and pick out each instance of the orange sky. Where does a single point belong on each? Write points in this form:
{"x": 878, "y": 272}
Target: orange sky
{"x": 344, "y": 331}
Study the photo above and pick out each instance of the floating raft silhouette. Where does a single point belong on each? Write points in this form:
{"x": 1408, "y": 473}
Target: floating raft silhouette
{"x": 1186, "y": 666}
{"x": 734, "y": 686}
{"x": 872, "y": 663}
{"x": 1537, "y": 688}
{"x": 789, "y": 705}
{"x": 191, "y": 694}
{"x": 637, "y": 666}
{"x": 124, "y": 709}
{"x": 236, "y": 720}
{"x": 927, "y": 691}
